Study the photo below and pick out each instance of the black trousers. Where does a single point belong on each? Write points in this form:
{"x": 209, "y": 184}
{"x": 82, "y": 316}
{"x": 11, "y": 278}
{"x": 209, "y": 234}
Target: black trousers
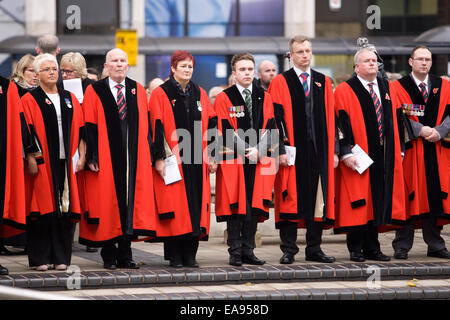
{"x": 49, "y": 240}
{"x": 121, "y": 253}
{"x": 363, "y": 239}
{"x": 288, "y": 236}
{"x": 181, "y": 249}
{"x": 241, "y": 235}
{"x": 404, "y": 238}
{"x": 49, "y": 237}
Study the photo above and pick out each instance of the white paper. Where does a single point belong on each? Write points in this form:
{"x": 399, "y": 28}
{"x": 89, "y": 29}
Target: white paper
{"x": 364, "y": 161}
{"x": 74, "y": 86}
{"x": 172, "y": 171}
{"x": 75, "y": 159}
{"x": 291, "y": 152}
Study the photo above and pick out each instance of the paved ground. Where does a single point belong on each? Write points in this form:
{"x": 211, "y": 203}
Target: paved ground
{"x": 213, "y": 253}
{"x": 157, "y": 280}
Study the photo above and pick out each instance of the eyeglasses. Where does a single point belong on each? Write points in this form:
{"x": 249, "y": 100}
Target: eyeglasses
{"x": 46, "y": 70}
{"x": 68, "y": 72}
{"x": 422, "y": 59}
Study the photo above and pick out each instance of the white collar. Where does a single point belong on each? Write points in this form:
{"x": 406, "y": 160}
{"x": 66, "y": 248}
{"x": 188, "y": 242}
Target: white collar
{"x": 299, "y": 71}
{"x": 365, "y": 82}
{"x": 417, "y": 81}
{"x": 112, "y": 83}
{"x": 241, "y": 88}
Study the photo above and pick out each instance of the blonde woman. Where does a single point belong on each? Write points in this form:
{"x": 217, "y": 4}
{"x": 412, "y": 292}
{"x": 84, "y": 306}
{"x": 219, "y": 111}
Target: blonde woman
{"x": 73, "y": 66}
{"x": 24, "y": 75}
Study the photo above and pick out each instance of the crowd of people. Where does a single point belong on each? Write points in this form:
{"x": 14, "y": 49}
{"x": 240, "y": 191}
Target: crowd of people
{"x": 133, "y": 163}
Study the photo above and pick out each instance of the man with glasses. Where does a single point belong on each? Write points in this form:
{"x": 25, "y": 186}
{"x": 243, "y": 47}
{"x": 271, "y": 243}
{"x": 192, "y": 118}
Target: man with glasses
{"x": 425, "y": 100}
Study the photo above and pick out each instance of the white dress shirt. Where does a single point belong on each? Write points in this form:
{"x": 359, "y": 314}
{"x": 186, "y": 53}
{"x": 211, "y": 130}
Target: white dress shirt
{"x": 365, "y": 84}
{"x": 299, "y": 72}
{"x": 57, "y": 104}
{"x": 418, "y": 82}
{"x": 112, "y": 86}
{"x": 241, "y": 90}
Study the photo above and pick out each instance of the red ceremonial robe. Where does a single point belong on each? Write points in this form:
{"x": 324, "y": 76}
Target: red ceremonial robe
{"x": 377, "y": 194}
{"x": 426, "y": 166}
{"x": 41, "y": 117}
{"x": 244, "y": 188}
{"x": 190, "y": 212}
{"x": 292, "y": 188}
{"x": 13, "y": 135}
{"x": 119, "y": 196}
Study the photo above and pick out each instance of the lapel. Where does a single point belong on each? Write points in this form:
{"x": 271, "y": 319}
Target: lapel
{"x": 258, "y": 106}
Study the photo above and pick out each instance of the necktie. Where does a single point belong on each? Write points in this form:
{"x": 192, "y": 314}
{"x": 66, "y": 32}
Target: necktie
{"x": 121, "y": 104}
{"x": 304, "y": 77}
{"x": 248, "y": 104}
{"x": 378, "y": 110}
{"x": 423, "y": 90}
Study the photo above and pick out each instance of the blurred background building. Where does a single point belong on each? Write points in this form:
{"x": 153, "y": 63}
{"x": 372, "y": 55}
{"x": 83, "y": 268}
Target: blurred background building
{"x": 213, "y": 30}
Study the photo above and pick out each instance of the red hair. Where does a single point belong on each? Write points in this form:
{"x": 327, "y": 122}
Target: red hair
{"x": 178, "y": 56}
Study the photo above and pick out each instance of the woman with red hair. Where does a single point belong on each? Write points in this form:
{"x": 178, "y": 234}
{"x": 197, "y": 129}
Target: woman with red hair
{"x": 181, "y": 114}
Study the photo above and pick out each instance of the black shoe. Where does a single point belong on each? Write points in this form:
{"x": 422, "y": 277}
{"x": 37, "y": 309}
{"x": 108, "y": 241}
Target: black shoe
{"x": 191, "y": 264}
{"x": 5, "y": 252}
{"x": 175, "y": 264}
{"x": 110, "y": 266}
{"x": 401, "y": 254}
{"x": 128, "y": 264}
{"x": 357, "y": 257}
{"x": 3, "y": 271}
{"x": 443, "y": 254}
{"x": 320, "y": 257}
{"x": 235, "y": 260}
{"x": 377, "y": 256}
{"x": 91, "y": 249}
{"x": 252, "y": 259}
{"x": 287, "y": 258}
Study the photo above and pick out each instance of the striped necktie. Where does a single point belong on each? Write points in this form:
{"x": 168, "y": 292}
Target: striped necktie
{"x": 304, "y": 77}
{"x": 121, "y": 104}
{"x": 248, "y": 104}
{"x": 423, "y": 90}
{"x": 378, "y": 110}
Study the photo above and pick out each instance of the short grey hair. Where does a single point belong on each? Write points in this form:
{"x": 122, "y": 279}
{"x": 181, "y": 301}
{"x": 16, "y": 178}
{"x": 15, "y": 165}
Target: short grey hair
{"x": 41, "y": 59}
{"x": 356, "y": 57}
{"x": 48, "y": 43}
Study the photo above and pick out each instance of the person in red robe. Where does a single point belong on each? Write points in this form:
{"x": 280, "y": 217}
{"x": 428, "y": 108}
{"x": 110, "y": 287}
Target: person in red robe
{"x": 245, "y": 177}
{"x": 119, "y": 182}
{"x": 55, "y": 120}
{"x": 14, "y": 136}
{"x": 425, "y": 100}
{"x": 304, "y": 190}
{"x": 368, "y": 113}
{"x": 181, "y": 115}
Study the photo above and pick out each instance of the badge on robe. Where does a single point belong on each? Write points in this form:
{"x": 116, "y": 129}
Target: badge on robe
{"x": 413, "y": 109}
{"x": 236, "y": 111}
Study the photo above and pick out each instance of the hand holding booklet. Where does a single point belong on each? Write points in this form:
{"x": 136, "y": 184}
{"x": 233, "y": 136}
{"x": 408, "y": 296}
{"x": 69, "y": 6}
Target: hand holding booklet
{"x": 172, "y": 170}
{"x": 364, "y": 161}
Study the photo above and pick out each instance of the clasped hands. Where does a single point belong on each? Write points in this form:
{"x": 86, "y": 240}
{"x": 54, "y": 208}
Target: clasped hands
{"x": 429, "y": 134}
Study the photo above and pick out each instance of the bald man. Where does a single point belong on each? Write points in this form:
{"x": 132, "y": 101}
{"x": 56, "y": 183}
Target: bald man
{"x": 119, "y": 180}
{"x": 266, "y": 72}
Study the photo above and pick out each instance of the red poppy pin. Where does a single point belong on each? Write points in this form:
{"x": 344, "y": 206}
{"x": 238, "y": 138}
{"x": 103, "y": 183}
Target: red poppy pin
{"x": 318, "y": 84}
{"x": 435, "y": 90}
{"x": 47, "y": 101}
{"x": 133, "y": 91}
{"x": 1, "y": 90}
{"x": 387, "y": 97}
{"x": 173, "y": 102}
